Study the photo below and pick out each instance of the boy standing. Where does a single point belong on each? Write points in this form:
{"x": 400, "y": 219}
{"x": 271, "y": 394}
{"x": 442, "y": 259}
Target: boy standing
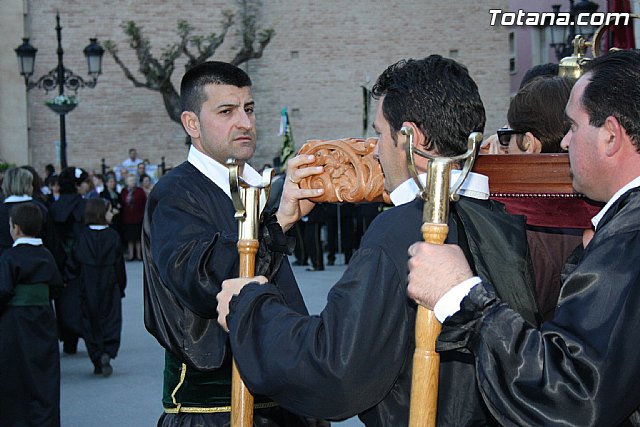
{"x": 29, "y": 355}
{"x": 97, "y": 261}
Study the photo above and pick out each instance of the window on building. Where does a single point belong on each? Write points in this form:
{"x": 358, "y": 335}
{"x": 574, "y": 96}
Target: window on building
{"x": 539, "y": 46}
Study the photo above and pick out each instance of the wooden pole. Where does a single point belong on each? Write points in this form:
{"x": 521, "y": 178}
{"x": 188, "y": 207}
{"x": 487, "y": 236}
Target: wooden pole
{"x": 426, "y": 361}
{"x": 248, "y": 202}
{"x": 241, "y": 398}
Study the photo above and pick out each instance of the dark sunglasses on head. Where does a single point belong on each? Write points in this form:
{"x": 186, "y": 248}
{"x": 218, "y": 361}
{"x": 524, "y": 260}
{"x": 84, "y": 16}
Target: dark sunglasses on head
{"x": 504, "y": 135}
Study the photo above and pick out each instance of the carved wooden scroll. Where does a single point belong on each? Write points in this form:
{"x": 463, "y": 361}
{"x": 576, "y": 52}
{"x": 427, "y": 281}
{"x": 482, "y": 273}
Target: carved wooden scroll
{"x": 351, "y": 173}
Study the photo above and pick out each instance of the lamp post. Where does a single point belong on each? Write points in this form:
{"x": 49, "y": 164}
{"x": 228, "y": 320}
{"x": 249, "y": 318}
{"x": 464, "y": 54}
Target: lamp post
{"x": 562, "y": 36}
{"x": 60, "y": 77}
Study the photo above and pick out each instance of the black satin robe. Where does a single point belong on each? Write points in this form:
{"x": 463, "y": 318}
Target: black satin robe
{"x": 29, "y": 356}
{"x": 68, "y": 216}
{"x": 582, "y": 367}
{"x": 97, "y": 264}
{"x": 355, "y": 357}
{"x": 189, "y": 247}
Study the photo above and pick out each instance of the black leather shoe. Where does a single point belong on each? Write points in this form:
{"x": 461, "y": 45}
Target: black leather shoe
{"x": 105, "y": 365}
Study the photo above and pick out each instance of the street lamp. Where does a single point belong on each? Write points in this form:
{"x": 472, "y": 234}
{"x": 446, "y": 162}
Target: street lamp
{"x": 60, "y": 77}
{"x": 562, "y": 36}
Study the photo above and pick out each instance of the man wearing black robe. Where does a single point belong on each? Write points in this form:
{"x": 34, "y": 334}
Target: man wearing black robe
{"x": 356, "y": 356}
{"x": 581, "y": 368}
{"x": 189, "y": 247}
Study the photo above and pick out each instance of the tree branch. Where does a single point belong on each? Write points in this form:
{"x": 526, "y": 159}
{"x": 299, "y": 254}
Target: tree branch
{"x": 158, "y": 72}
{"x": 150, "y": 67}
{"x": 111, "y": 48}
{"x": 207, "y": 46}
{"x": 248, "y": 51}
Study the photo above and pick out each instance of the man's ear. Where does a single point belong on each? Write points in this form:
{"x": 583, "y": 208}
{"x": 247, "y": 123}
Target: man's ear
{"x": 532, "y": 144}
{"x": 614, "y": 134}
{"x": 419, "y": 139}
{"x": 191, "y": 123}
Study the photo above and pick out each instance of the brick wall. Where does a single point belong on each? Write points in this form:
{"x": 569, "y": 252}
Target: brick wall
{"x": 315, "y": 64}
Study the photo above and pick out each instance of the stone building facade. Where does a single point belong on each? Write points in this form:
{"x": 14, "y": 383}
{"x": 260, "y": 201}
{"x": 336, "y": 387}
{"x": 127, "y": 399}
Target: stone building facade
{"x": 320, "y": 56}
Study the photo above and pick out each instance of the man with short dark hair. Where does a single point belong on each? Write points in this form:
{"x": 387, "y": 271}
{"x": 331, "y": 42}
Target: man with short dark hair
{"x": 581, "y": 367}
{"x": 190, "y": 237}
{"x": 356, "y": 356}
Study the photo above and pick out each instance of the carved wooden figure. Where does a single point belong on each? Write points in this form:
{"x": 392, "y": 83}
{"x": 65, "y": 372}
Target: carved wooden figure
{"x": 351, "y": 173}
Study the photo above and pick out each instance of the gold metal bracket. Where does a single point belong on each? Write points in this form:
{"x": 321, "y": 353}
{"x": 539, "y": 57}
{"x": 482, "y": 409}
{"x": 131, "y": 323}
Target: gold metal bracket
{"x": 469, "y": 158}
{"x": 249, "y": 201}
{"x": 438, "y": 192}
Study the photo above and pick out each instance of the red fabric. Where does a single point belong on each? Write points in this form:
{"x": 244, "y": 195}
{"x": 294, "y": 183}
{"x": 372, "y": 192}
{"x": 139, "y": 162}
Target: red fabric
{"x": 553, "y": 211}
{"x": 133, "y": 213}
{"x": 622, "y": 35}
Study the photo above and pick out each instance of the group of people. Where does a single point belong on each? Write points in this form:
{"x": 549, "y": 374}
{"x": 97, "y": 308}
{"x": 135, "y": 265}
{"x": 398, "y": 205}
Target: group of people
{"x": 81, "y": 227}
{"x": 62, "y": 278}
{"x": 501, "y": 361}
{"x": 127, "y": 194}
{"x": 331, "y": 228}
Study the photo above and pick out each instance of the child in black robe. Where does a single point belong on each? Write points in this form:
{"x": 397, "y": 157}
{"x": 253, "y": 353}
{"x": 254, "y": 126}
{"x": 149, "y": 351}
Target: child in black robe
{"x": 97, "y": 261}
{"x": 67, "y": 214}
{"x": 29, "y": 354}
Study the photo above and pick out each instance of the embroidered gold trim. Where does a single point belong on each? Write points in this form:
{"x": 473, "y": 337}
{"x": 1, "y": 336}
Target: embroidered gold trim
{"x": 217, "y": 409}
{"x": 183, "y": 374}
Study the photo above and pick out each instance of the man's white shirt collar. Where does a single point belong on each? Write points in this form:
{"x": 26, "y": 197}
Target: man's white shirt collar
{"x": 34, "y": 241}
{"x": 219, "y": 173}
{"x": 475, "y": 186}
{"x": 633, "y": 184}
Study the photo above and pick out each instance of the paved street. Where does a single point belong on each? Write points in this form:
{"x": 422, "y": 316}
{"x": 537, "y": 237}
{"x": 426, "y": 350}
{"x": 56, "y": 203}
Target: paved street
{"x": 131, "y": 396}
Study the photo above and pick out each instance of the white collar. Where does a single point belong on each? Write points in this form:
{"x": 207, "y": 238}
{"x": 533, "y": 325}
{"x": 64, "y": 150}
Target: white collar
{"x": 27, "y": 241}
{"x": 633, "y": 184}
{"x": 219, "y": 173}
{"x": 14, "y": 199}
{"x": 98, "y": 227}
{"x": 475, "y": 186}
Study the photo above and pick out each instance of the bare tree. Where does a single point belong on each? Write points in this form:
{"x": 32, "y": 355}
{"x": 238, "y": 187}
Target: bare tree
{"x": 157, "y": 72}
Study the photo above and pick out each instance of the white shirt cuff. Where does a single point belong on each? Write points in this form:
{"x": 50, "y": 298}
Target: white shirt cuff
{"x": 449, "y": 303}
